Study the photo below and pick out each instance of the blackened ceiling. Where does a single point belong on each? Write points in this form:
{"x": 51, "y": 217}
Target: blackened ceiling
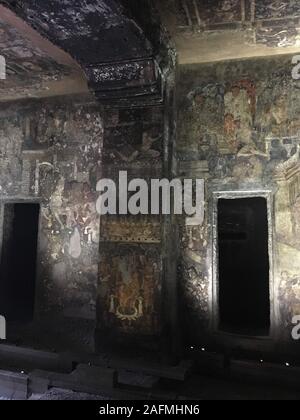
{"x": 102, "y": 37}
{"x": 34, "y": 66}
{"x": 115, "y": 46}
{"x": 92, "y": 31}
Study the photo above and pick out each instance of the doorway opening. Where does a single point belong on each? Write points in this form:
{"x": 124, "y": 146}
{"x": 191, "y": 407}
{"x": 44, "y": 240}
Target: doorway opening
{"x": 18, "y": 261}
{"x": 244, "y": 267}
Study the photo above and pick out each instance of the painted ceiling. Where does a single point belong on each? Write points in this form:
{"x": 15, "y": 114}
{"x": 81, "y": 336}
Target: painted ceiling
{"x": 273, "y": 22}
{"x": 34, "y": 67}
{"x": 212, "y": 30}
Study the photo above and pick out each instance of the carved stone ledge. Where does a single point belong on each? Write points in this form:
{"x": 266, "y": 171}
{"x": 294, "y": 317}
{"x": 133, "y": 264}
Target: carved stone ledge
{"x": 128, "y": 79}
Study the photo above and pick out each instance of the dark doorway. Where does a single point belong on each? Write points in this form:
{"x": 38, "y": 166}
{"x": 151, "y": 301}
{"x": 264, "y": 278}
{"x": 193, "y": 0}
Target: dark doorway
{"x": 18, "y": 261}
{"x": 244, "y": 292}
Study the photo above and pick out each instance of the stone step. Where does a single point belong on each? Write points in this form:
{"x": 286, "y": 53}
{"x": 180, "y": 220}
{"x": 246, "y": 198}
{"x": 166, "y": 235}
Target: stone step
{"x": 136, "y": 380}
{"x": 27, "y": 359}
{"x": 88, "y": 379}
{"x": 268, "y": 373}
{"x": 30, "y": 359}
{"x": 214, "y": 364}
{"x": 176, "y": 373}
{"x": 13, "y": 385}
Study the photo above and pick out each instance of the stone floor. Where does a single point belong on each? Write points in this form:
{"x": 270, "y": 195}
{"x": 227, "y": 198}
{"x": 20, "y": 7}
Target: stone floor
{"x": 205, "y": 388}
{"x": 196, "y": 388}
{"x": 56, "y": 394}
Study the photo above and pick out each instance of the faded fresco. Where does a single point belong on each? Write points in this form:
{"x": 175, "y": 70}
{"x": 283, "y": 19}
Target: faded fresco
{"x": 129, "y": 289}
{"x": 241, "y": 121}
{"x": 275, "y": 21}
{"x": 51, "y": 154}
{"x": 131, "y": 257}
{"x": 133, "y": 139}
{"x": 220, "y": 11}
{"x": 269, "y": 9}
{"x": 55, "y": 153}
{"x": 29, "y": 66}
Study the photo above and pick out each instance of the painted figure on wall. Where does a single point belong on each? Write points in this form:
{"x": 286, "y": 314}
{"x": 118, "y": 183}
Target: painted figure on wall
{"x": 128, "y": 290}
{"x": 240, "y": 107}
{"x": 202, "y": 118}
{"x": 147, "y": 150}
{"x": 72, "y": 212}
{"x": 276, "y": 116}
{"x": 127, "y": 302}
{"x": 258, "y": 148}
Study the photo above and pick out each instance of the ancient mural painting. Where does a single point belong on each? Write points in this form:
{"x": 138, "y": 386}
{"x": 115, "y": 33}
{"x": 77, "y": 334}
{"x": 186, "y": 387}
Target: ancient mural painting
{"x": 274, "y": 20}
{"x": 11, "y": 146}
{"x": 51, "y": 154}
{"x": 129, "y": 291}
{"x": 244, "y": 121}
{"x": 211, "y": 13}
{"x": 269, "y": 9}
{"x": 142, "y": 229}
{"x": 70, "y": 215}
{"x": 29, "y": 67}
{"x": 222, "y": 12}
{"x": 130, "y": 282}
{"x": 137, "y": 142}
